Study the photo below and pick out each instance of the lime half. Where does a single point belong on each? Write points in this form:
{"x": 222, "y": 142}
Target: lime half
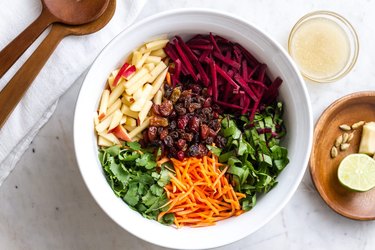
{"x": 357, "y": 172}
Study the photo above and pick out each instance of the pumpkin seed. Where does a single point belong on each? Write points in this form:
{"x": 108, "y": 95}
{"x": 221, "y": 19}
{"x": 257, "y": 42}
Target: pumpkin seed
{"x": 345, "y": 127}
{"x": 338, "y": 141}
{"x": 334, "y": 152}
{"x": 358, "y": 124}
{"x": 345, "y": 138}
{"x": 351, "y": 135}
{"x": 344, "y": 146}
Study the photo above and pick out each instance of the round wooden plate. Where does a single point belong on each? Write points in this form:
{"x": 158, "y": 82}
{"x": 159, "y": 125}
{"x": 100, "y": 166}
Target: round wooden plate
{"x": 323, "y": 169}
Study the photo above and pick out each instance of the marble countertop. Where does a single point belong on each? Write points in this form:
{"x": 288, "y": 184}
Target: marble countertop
{"x": 44, "y": 203}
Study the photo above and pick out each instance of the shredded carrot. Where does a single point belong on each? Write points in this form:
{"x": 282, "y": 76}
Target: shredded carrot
{"x": 199, "y": 193}
{"x": 168, "y": 78}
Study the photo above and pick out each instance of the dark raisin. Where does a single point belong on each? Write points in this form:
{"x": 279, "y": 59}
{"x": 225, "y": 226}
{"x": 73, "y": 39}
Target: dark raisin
{"x": 168, "y": 141}
{"x": 186, "y": 93}
{"x": 182, "y": 121}
{"x": 155, "y": 109}
{"x": 194, "y": 106}
{"x": 167, "y": 90}
{"x": 196, "y": 88}
{"x": 166, "y": 108}
{"x": 220, "y": 141}
{"x": 194, "y": 123}
{"x": 174, "y": 135}
{"x": 180, "y": 110}
{"x": 180, "y": 155}
{"x": 204, "y": 131}
{"x": 173, "y": 114}
{"x": 216, "y": 108}
{"x": 209, "y": 140}
{"x": 215, "y": 115}
{"x": 207, "y": 113}
{"x": 207, "y": 103}
{"x": 181, "y": 143}
{"x": 186, "y": 102}
{"x": 159, "y": 121}
{"x": 152, "y": 133}
{"x": 197, "y": 150}
{"x": 145, "y": 136}
{"x": 160, "y": 129}
{"x": 214, "y": 124}
{"x": 173, "y": 152}
{"x": 212, "y": 133}
{"x": 163, "y": 134}
{"x": 195, "y": 137}
{"x": 172, "y": 124}
{"x": 187, "y": 136}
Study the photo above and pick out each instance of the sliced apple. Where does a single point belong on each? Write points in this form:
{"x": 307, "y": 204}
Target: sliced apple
{"x": 104, "y": 142}
{"x": 158, "y": 97}
{"x": 140, "y": 128}
{"x": 138, "y": 105}
{"x": 115, "y": 94}
{"x": 131, "y": 122}
{"x": 116, "y": 118}
{"x": 114, "y": 107}
{"x": 153, "y": 59}
{"x": 126, "y": 111}
{"x": 143, "y": 113}
{"x": 149, "y": 66}
{"x": 160, "y": 53}
{"x": 136, "y": 77}
{"x": 142, "y": 60}
{"x": 129, "y": 128}
{"x": 158, "y": 82}
{"x": 158, "y": 44}
{"x": 123, "y": 120}
{"x": 96, "y": 118}
{"x": 103, "y": 104}
{"x": 103, "y": 125}
{"x": 157, "y": 70}
{"x": 110, "y": 137}
{"x": 120, "y": 132}
{"x": 136, "y": 57}
{"x": 135, "y": 86}
{"x": 138, "y": 94}
{"x": 127, "y": 99}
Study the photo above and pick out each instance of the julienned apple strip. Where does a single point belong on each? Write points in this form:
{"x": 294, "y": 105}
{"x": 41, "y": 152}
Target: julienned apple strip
{"x": 103, "y": 104}
{"x": 158, "y": 82}
{"x": 140, "y": 128}
{"x": 115, "y": 94}
{"x": 103, "y": 125}
{"x": 136, "y": 77}
{"x": 114, "y": 107}
{"x": 116, "y": 118}
{"x": 143, "y": 113}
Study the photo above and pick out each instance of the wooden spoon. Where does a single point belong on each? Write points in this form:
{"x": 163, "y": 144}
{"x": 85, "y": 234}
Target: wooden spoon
{"x": 73, "y": 12}
{"x": 17, "y": 86}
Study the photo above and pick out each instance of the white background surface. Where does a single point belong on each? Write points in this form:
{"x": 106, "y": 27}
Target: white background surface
{"x": 45, "y": 205}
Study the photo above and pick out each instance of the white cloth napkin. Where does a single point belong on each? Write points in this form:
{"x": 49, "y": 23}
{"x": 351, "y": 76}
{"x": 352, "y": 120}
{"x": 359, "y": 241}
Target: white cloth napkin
{"x": 69, "y": 61}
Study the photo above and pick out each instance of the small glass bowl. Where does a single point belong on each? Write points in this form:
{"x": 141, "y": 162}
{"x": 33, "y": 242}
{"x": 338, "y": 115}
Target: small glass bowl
{"x": 350, "y": 33}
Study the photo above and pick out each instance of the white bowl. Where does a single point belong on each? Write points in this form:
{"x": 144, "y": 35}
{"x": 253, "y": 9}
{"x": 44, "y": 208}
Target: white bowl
{"x": 297, "y": 116}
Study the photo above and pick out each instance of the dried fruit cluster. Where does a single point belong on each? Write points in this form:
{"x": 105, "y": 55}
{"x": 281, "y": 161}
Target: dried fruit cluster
{"x": 185, "y": 122}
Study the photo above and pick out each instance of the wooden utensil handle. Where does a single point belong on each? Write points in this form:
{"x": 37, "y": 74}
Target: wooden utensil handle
{"x": 17, "y": 86}
{"x": 10, "y": 54}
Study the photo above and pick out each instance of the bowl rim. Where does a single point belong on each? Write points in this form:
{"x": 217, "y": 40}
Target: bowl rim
{"x": 204, "y": 11}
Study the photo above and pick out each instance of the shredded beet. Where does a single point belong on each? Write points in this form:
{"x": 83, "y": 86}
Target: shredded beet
{"x": 234, "y": 78}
